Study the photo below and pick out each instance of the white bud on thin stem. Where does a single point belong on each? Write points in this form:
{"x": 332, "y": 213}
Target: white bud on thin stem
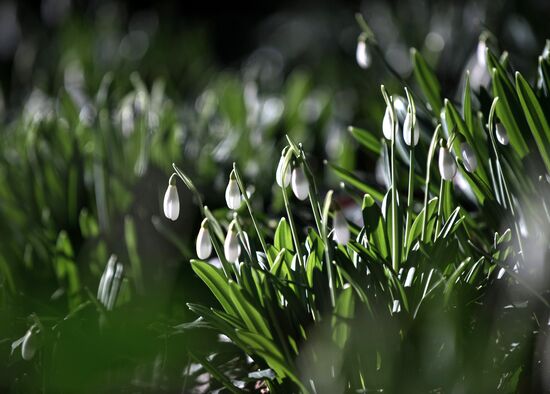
{"x": 387, "y": 124}
{"x": 28, "y": 348}
{"x": 411, "y": 134}
{"x": 468, "y": 157}
{"x": 204, "y": 244}
{"x": 279, "y": 174}
{"x": 171, "y": 203}
{"x": 231, "y": 246}
{"x": 341, "y": 229}
{"x": 362, "y": 54}
{"x": 447, "y": 164}
{"x": 300, "y": 185}
{"x": 502, "y": 135}
{"x": 232, "y": 193}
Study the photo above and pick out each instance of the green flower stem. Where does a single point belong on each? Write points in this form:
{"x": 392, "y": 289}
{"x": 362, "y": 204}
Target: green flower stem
{"x": 243, "y": 239}
{"x": 191, "y": 186}
{"x": 395, "y": 248}
{"x": 410, "y": 197}
{"x": 439, "y": 208}
{"x": 313, "y": 191}
{"x": 500, "y": 174}
{"x": 247, "y": 202}
{"x": 293, "y": 230}
{"x": 328, "y": 259}
{"x": 431, "y": 153}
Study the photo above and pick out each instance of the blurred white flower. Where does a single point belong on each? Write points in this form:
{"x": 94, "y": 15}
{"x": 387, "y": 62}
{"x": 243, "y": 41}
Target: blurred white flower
{"x": 447, "y": 164}
{"x": 171, "y": 201}
{"x": 481, "y": 54}
{"x": 28, "y": 348}
{"x": 362, "y": 54}
{"x": 231, "y": 246}
{"x": 300, "y": 185}
{"x": 341, "y": 229}
{"x": 468, "y": 157}
{"x": 232, "y": 193}
{"x": 204, "y": 245}
{"x": 411, "y": 134}
{"x": 502, "y": 135}
{"x": 279, "y": 174}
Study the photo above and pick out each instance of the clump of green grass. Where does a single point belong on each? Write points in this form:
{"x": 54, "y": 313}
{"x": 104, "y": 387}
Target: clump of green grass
{"x": 435, "y": 288}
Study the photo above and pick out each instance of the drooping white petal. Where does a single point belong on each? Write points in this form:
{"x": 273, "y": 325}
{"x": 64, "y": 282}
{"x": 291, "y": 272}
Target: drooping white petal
{"x": 447, "y": 164}
{"x": 468, "y": 157}
{"x": 231, "y": 246}
{"x": 362, "y": 54}
{"x": 410, "y": 134}
{"x": 171, "y": 203}
{"x": 386, "y": 125}
{"x": 233, "y": 195}
{"x": 341, "y": 230}
{"x": 279, "y": 174}
{"x": 204, "y": 245}
{"x": 28, "y": 348}
{"x": 481, "y": 53}
{"x": 502, "y": 135}
{"x": 300, "y": 185}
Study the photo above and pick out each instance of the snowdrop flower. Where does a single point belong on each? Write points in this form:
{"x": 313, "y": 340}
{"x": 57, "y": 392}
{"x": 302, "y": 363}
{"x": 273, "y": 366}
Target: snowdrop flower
{"x": 362, "y": 54}
{"x": 468, "y": 157}
{"x": 300, "y": 185}
{"x": 28, "y": 348}
{"x": 447, "y": 164}
{"x": 279, "y": 174}
{"x": 204, "y": 245}
{"x": 341, "y": 230}
{"x": 502, "y": 135}
{"x": 171, "y": 200}
{"x": 387, "y": 125}
{"x": 231, "y": 246}
{"x": 232, "y": 193}
{"x": 411, "y": 133}
{"x": 481, "y": 54}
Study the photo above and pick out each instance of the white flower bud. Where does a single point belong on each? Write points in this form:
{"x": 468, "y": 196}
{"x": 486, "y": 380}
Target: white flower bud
{"x": 204, "y": 245}
{"x": 411, "y": 134}
{"x": 127, "y": 120}
{"x": 231, "y": 246}
{"x": 502, "y": 135}
{"x": 28, "y": 348}
{"x": 232, "y": 193}
{"x": 171, "y": 201}
{"x": 447, "y": 164}
{"x": 481, "y": 52}
{"x": 341, "y": 230}
{"x": 279, "y": 174}
{"x": 362, "y": 54}
{"x": 300, "y": 185}
{"x": 468, "y": 157}
{"x": 387, "y": 125}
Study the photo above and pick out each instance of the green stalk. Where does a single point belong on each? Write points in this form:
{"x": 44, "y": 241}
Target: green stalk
{"x": 410, "y": 193}
{"x": 191, "y": 186}
{"x": 240, "y": 232}
{"x": 394, "y": 253}
{"x": 247, "y": 202}
{"x": 431, "y": 153}
{"x": 439, "y": 208}
{"x": 410, "y": 197}
{"x": 394, "y": 259}
{"x": 293, "y": 230}
{"x": 328, "y": 259}
{"x": 501, "y": 174}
